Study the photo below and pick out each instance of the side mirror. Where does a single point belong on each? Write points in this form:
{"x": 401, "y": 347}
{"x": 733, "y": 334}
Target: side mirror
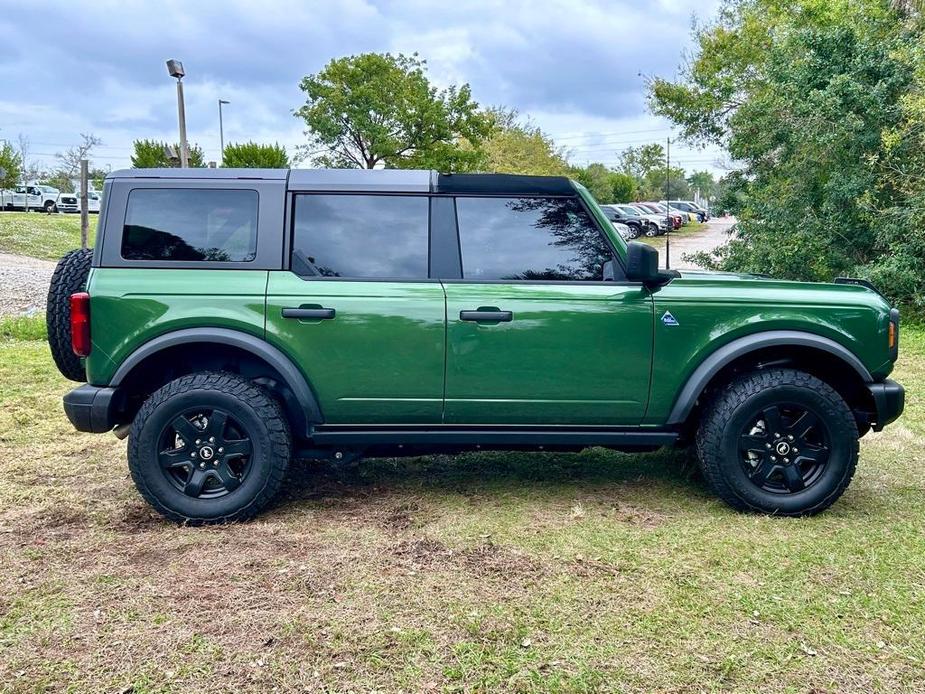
{"x": 641, "y": 263}
{"x": 642, "y": 266}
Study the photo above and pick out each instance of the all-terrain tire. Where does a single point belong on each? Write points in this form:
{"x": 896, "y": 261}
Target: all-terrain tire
{"x": 50, "y": 206}
{"x": 70, "y": 276}
{"x": 262, "y": 420}
{"x": 727, "y": 416}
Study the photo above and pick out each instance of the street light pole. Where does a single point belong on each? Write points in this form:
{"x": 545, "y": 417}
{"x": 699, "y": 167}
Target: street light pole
{"x": 175, "y": 69}
{"x": 221, "y": 130}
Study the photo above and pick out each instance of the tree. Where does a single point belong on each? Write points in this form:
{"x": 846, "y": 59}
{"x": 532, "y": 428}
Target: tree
{"x": 377, "y": 109}
{"x": 703, "y": 183}
{"x": 808, "y": 96}
{"x": 250, "y": 155}
{"x": 69, "y": 160}
{"x": 152, "y": 154}
{"x": 520, "y": 147}
{"x": 646, "y": 164}
{"x": 11, "y": 165}
{"x": 639, "y": 161}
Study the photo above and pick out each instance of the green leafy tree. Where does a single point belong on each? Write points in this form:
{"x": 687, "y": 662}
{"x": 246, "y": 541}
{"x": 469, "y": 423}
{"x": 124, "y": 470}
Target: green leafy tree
{"x": 377, "y": 109}
{"x": 152, "y": 154}
{"x": 521, "y": 147}
{"x": 606, "y": 185}
{"x": 702, "y": 182}
{"x": 250, "y": 155}
{"x": 11, "y": 165}
{"x": 806, "y": 96}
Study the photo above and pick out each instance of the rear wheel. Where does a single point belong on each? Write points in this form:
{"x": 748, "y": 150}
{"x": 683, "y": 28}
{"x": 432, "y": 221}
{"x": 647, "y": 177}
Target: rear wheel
{"x": 652, "y": 230}
{"x": 209, "y": 448}
{"x": 779, "y": 441}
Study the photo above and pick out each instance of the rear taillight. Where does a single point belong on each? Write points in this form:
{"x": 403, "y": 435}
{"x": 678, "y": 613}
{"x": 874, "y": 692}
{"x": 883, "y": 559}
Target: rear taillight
{"x": 894, "y": 334}
{"x": 80, "y": 324}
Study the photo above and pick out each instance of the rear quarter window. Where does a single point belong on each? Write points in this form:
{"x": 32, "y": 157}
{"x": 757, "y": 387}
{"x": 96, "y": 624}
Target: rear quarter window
{"x": 361, "y": 236}
{"x": 190, "y": 225}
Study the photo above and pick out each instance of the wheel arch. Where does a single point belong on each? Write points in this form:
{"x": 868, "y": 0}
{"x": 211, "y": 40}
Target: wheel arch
{"x": 816, "y": 354}
{"x": 184, "y": 351}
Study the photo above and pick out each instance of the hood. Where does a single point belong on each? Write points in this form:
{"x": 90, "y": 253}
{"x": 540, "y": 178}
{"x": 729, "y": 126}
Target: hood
{"x": 742, "y": 286}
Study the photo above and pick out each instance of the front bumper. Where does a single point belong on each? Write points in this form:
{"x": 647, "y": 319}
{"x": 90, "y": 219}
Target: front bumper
{"x": 92, "y": 408}
{"x": 889, "y": 400}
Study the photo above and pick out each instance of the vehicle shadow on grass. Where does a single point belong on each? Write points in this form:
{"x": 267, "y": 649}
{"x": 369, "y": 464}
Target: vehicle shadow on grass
{"x": 497, "y": 473}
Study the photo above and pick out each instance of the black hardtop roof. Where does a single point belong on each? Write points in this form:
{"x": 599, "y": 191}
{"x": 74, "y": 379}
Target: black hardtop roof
{"x": 375, "y": 180}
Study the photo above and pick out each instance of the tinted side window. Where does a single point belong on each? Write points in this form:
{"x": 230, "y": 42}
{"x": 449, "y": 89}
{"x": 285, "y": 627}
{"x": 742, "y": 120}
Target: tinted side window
{"x": 529, "y": 239}
{"x": 361, "y": 236}
{"x": 190, "y": 224}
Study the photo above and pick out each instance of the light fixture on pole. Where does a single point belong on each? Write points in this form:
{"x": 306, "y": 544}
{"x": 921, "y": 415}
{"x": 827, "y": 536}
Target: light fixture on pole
{"x": 221, "y": 129}
{"x": 175, "y": 69}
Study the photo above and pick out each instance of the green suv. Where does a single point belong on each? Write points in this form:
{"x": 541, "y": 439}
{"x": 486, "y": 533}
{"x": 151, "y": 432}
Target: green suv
{"x": 229, "y": 321}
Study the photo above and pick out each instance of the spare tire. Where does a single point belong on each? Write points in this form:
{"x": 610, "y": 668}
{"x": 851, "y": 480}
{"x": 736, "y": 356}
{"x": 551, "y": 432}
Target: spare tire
{"x": 70, "y": 276}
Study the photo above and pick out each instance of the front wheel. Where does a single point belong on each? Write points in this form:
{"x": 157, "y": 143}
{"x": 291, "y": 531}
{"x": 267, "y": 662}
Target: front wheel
{"x": 779, "y": 441}
{"x": 652, "y": 230}
{"x": 209, "y": 448}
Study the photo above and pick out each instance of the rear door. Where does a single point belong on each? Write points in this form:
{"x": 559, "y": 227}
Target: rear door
{"x": 357, "y": 310}
{"x": 535, "y": 334}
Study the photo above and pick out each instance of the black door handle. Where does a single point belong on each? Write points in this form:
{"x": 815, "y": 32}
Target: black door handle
{"x": 487, "y": 316}
{"x": 309, "y": 313}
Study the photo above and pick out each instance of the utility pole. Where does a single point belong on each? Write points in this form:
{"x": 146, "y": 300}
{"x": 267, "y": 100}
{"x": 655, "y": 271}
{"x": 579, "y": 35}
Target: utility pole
{"x": 221, "y": 130}
{"x": 84, "y": 211}
{"x": 668, "y": 204}
{"x": 175, "y": 69}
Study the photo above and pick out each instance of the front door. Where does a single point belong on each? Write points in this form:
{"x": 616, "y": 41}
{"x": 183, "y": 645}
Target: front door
{"x": 357, "y": 312}
{"x": 534, "y": 334}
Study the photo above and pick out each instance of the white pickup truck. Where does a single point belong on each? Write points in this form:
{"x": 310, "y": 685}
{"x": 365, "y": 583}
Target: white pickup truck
{"x": 38, "y": 197}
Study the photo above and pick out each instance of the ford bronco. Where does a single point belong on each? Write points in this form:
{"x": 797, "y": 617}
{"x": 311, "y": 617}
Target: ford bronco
{"x": 230, "y": 321}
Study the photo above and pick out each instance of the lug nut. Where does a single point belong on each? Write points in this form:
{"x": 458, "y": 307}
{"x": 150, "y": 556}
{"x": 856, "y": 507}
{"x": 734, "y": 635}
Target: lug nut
{"x": 221, "y": 450}
{"x": 787, "y": 460}
{"x": 790, "y": 437}
{"x": 202, "y": 465}
{"x": 796, "y": 450}
{"x": 198, "y": 442}
{"x": 774, "y": 458}
{"x": 211, "y": 439}
{"x": 193, "y": 454}
{"x": 767, "y": 445}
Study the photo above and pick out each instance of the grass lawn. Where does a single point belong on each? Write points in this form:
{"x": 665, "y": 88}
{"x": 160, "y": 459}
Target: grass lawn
{"x": 507, "y": 572}
{"x": 659, "y": 241}
{"x": 40, "y": 235}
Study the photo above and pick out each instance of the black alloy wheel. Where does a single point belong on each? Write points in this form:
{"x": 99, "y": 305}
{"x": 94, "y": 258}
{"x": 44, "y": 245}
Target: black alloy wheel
{"x": 785, "y": 448}
{"x": 205, "y": 454}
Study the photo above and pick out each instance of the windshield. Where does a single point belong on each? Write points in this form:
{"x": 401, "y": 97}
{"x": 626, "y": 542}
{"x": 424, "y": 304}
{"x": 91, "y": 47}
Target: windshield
{"x": 631, "y": 211}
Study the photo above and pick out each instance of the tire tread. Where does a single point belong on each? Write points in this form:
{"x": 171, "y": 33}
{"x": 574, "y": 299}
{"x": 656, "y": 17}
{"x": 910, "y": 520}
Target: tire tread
{"x": 257, "y": 397}
{"x": 721, "y": 409}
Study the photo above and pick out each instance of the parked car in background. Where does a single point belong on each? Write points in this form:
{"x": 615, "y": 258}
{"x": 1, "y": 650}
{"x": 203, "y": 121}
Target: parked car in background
{"x": 70, "y": 202}
{"x": 690, "y": 207}
{"x": 655, "y": 225}
{"x": 21, "y": 198}
{"x": 636, "y": 226}
{"x": 656, "y": 209}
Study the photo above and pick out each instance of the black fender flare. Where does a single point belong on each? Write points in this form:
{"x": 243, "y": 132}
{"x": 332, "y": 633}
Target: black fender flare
{"x": 309, "y": 408}
{"x": 710, "y": 366}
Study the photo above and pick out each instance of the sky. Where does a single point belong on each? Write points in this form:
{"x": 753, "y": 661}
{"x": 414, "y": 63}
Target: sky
{"x": 576, "y": 68}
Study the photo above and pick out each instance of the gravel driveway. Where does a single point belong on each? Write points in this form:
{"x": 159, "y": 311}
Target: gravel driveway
{"x": 708, "y": 239}
{"x": 23, "y": 284}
